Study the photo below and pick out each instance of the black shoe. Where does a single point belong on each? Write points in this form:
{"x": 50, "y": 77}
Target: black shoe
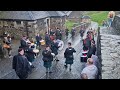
{"x": 47, "y": 72}
{"x": 65, "y": 66}
{"x": 50, "y": 72}
{"x": 57, "y": 60}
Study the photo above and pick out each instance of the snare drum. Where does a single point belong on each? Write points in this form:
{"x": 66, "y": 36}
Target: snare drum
{"x": 60, "y": 44}
{"x": 42, "y": 42}
{"x": 83, "y": 58}
{"x": 35, "y": 50}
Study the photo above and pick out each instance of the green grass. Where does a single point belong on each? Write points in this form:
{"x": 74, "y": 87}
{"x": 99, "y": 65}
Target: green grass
{"x": 98, "y": 16}
{"x": 69, "y": 24}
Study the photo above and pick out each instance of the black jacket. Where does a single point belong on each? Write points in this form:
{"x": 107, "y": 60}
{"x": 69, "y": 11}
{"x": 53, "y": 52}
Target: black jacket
{"x": 21, "y": 65}
{"x": 30, "y": 54}
{"x": 47, "y": 56}
{"x": 88, "y": 42}
{"x": 91, "y": 51}
{"x": 24, "y": 44}
{"x": 38, "y": 38}
{"x": 54, "y": 48}
{"x": 69, "y": 53}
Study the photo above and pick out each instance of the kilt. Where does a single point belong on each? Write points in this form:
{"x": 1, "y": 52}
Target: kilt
{"x": 69, "y": 61}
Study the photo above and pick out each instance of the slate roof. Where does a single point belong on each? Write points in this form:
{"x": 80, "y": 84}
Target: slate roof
{"x": 67, "y": 12}
{"x": 86, "y": 17}
{"x": 29, "y": 15}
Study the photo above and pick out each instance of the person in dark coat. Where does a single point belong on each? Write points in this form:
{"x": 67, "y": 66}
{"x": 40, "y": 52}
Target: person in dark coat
{"x": 93, "y": 46}
{"x": 66, "y": 32}
{"x": 92, "y": 49}
{"x": 54, "y": 48}
{"x": 30, "y": 54}
{"x": 68, "y": 54}
{"x": 58, "y": 34}
{"x": 51, "y": 32}
{"x": 21, "y": 65}
{"x": 38, "y": 39}
{"x": 87, "y": 43}
{"x": 81, "y": 31}
{"x": 23, "y": 43}
{"x": 47, "y": 58}
{"x": 47, "y": 39}
{"x": 73, "y": 32}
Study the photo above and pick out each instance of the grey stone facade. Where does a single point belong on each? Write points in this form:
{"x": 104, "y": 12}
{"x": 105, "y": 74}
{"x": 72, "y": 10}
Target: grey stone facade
{"x": 39, "y": 26}
{"x": 110, "y": 55}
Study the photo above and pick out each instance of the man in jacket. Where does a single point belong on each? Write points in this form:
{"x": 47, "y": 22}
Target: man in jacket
{"x": 30, "y": 54}
{"x": 23, "y": 43}
{"x": 47, "y": 39}
{"x": 21, "y": 65}
{"x": 47, "y": 58}
{"x": 68, "y": 54}
{"x": 38, "y": 39}
{"x": 54, "y": 48}
{"x": 91, "y": 70}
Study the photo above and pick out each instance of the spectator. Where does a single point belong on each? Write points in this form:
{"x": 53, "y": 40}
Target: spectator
{"x": 90, "y": 70}
{"x": 21, "y": 65}
{"x": 84, "y": 76}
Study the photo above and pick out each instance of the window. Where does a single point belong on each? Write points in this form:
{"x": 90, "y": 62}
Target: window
{"x": 18, "y": 22}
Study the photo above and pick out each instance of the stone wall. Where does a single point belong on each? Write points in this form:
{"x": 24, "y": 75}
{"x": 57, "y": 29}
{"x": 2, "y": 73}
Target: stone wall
{"x": 57, "y": 22}
{"x": 40, "y": 26}
{"x": 76, "y": 20}
{"x": 15, "y": 33}
{"x": 116, "y": 22}
{"x": 110, "y": 55}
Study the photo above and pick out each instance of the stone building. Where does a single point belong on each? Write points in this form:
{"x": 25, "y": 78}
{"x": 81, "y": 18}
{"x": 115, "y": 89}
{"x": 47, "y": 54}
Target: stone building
{"x": 19, "y": 23}
{"x": 86, "y": 19}
{"x": 74, "y": 15}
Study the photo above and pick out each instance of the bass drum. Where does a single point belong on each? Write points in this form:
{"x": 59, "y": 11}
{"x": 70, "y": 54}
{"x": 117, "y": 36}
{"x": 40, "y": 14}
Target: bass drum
{"x": 61, "y": 44}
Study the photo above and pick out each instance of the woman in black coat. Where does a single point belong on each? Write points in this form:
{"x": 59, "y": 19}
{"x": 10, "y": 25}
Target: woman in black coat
{"x": 47, "y": 58}
{"x": 68, "y": 54}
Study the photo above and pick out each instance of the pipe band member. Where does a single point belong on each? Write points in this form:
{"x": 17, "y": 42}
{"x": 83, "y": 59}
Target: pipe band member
{"x": 68, "y": 54}
{"x": 47, "y": 58}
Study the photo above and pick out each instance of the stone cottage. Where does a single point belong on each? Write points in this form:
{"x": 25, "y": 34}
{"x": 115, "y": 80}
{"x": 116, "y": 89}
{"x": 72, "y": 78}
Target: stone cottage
{"x": 74, "y": 15}
{"x": 19, "y": 23}
{"x": 86, "y": 19}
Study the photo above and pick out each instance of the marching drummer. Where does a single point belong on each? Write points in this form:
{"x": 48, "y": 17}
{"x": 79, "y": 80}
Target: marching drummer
{"x": 47, "y": 58}
{"x": 30, "y": 54}
{"x": 68, "y": 54}
{"x": 7, "y": 42}
{"x": 54, "y": 48}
